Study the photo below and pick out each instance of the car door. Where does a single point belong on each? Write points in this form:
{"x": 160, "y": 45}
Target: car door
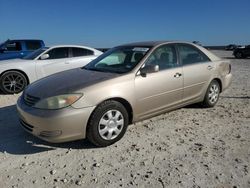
{"x": 79, "y": 57}
{"x": 57, "y": 61}
{"x": 155, "y": 92}
{"x": 197, "y": 71}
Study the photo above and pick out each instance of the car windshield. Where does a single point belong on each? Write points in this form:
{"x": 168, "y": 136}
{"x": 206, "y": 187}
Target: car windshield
{"x": 119, "y": 60}
{"x": 3, "y": 43}
{"x": 34, "y": 54}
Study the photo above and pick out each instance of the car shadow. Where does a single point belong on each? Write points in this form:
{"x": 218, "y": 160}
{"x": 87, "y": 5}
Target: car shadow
{"x": 199, "y": 105}
{"x": 2, "y": 93}
{"x": 233, "y": 97}
{"x": 194, "y": 106}
{"x": 14, "y": 140}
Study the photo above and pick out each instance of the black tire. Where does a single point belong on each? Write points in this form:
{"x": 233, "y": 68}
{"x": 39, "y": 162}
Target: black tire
{"x": 95, "y": 125}
{"x": 208, "y": 102}
{"x": 12, "y": 82}
{"x": 239, "y": 55}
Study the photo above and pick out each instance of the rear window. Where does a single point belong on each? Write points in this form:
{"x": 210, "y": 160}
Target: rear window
{"x": 33, "y": 45}
{"x": 77, "y": 52}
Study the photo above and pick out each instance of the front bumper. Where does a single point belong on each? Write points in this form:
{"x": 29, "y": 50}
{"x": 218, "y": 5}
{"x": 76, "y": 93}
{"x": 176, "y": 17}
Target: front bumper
{"x": 54, "y": 126}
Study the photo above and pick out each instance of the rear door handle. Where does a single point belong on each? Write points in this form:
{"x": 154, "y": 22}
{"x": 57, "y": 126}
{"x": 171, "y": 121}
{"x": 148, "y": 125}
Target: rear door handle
{"x": 177, "y": 75}
{"x": 66, "y": 63}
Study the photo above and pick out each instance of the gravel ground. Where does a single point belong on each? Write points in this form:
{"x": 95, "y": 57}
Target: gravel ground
{"x": 188, "y": 147}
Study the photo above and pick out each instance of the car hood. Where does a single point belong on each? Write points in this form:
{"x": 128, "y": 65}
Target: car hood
{"x": 70, "y": 81}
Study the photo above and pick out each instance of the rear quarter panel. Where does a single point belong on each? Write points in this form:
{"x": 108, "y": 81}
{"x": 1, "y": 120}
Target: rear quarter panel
{"x": 223, "y": 72}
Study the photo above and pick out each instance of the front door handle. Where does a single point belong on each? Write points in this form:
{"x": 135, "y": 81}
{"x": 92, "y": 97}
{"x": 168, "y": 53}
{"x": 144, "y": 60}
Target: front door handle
{"x": 209, "y": 67}
{"x": 177, "y": 75}
{"x": 66, "y": 63}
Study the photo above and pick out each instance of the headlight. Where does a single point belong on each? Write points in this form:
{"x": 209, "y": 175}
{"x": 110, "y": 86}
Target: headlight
{"x": 57, "y": 102}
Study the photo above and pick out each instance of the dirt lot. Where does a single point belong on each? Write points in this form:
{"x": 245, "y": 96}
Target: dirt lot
{"x": 188, "y": 147}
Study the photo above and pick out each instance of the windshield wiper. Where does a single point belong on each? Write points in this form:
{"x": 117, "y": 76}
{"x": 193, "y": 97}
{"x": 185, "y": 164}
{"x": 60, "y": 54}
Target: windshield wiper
{"x": 103, "y": 70}
{"x": 92, "y": 69}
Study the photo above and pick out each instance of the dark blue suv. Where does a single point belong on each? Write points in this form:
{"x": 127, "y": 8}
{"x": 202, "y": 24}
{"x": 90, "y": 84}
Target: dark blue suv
{"x": 12, "y": 49}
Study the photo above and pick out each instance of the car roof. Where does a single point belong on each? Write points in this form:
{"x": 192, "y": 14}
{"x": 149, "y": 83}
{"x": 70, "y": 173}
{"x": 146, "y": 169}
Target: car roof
{"x": 74, "y": 46}
{"x": 154, "y": 43}
{"x": 145, "y": 43}
{"x": 69, "y": 46}
{"x": 24, "y": 40}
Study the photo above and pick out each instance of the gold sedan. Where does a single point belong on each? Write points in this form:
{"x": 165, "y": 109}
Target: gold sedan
{"x": 128, "y": 83}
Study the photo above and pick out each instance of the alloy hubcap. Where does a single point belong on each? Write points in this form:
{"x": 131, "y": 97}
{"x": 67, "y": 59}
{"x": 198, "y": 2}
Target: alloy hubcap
{"x": 13, "y": 83}
{"x": 213, "y": 94}
{"x": 238, "y": 55}
{"x": 111, "y": 124}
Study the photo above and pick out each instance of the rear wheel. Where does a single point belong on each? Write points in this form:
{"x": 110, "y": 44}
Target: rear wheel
{"x": 212, "y": 94}
{"x": 239, "y": 55}
{"x": 13, "y": 82}
{"x": 107, "y": 124}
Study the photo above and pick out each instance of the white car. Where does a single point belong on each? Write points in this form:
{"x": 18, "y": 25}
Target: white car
{"x": 16, "y": 74}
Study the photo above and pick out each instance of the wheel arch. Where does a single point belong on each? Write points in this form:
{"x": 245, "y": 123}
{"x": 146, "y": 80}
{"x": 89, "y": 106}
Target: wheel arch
{"x": 17, "y": 70}
{"x": 127, "y": 105}
{"x": 220, "y": 83}
{"x": 123, "y": 101}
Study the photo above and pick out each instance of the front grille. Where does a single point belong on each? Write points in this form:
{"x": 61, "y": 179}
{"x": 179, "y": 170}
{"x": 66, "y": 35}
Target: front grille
{"x": 26, "y": 126}
{"x": 30, "y": 100}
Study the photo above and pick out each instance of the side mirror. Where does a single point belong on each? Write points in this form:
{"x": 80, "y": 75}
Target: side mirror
{"x": 44, "y": 56}
{"x": 149, "y": 69}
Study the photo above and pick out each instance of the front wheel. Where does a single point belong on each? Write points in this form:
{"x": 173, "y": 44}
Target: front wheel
{"x": 13, "y": 82}
{"x": 212, "y": 94}
{"x": 107, "y": 124}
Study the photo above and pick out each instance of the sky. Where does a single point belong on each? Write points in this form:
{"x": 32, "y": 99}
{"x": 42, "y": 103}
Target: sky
{"x": 107, "y": 23}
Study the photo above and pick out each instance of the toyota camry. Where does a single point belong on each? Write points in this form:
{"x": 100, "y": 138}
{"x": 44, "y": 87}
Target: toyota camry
{"x": 126, "y": 84}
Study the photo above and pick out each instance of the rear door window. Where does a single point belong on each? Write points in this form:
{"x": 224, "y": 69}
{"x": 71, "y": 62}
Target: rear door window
{"x": 33, "y": 45}
{"x": 191, "y": 55}
{"x": 77, "y": 52}
{"x": 58, "y": 53}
